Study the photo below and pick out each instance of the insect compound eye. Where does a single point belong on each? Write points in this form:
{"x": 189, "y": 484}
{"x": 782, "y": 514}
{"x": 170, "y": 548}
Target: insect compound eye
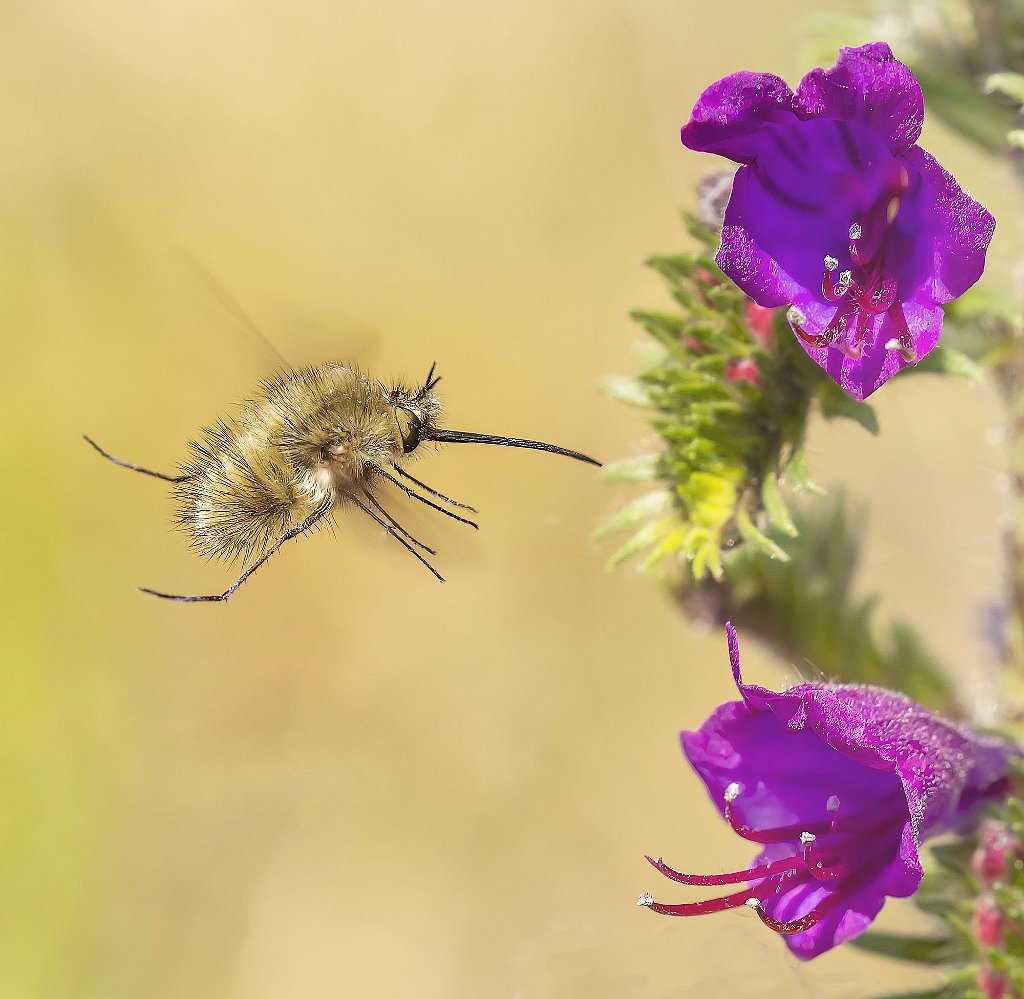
{"x": 409, "y": 426}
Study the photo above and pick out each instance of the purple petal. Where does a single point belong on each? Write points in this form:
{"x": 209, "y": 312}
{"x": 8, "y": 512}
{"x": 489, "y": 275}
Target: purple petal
{"x": 794, "y": 205}
{"x": 963, "y": 229}
{"x": 764, "y": 756}
{"x": 728, "y": 117}
{"x": 859, "y": 378}
{"x": 867, "y": 85}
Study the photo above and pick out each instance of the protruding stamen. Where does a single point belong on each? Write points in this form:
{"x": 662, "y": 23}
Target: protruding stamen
{"x": 831, "y": 263}
{"x": 833, "y": 803}
{"x": 732, "y": 792}
{"x": 645, "y": 899}
{"x": 845, "y": 278}
{"x": 733, "y": 877}
{"x": 698, "y": 908}
{"x": 807, "y": 838}
{"x": 856, "y": 231}
{"x": 787, "y": 928}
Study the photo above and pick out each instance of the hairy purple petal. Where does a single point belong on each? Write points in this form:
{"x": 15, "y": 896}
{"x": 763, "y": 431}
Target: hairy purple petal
{"x": 869, "y": 85}
{"x": 729, "y": 115}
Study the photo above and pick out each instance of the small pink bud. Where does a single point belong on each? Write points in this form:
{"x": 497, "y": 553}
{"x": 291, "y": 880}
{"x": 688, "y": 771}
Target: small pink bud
{"x": 992, "y": 984}
{"x": 997, "y": 849}
{"x": 759, "y": 322}
{"x": 988, "y": 922}
{"x": 742, "y": 371}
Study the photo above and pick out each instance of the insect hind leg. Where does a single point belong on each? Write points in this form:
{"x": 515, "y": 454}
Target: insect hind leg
{"x": 134, "y": 468}
{"x": 293, "y": 532}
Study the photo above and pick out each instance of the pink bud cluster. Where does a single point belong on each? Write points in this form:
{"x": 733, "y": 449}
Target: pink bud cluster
{"x": 998, "y": 852}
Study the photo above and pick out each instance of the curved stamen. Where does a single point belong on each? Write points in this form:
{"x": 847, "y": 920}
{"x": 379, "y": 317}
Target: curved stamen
{"x": 788, "y": 927}
{"x": 698, "y": 908}
{"x": 756, "y": 873}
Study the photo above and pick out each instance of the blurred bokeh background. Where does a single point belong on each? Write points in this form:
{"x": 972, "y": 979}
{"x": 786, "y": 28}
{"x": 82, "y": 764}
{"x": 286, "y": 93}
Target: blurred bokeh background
{"x": 349, "y": 780}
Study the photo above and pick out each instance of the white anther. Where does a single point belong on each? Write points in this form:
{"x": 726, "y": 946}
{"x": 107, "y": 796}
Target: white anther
{"x": 832, "y": 805}
{"x": 892, "y": 344}
{"x": 732, "y": 792}
{"x": 856, "y": 231}
{"x": 831, "y": 263}
{"x": 645, "y": 899}
{"x": 807, "y": 838}
{"x": 796, "y": 316}
{"x": 753, "y": 903}
{"x": 846, "y": 277}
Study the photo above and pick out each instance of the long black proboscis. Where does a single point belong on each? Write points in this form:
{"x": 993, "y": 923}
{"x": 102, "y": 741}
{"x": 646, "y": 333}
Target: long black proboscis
{"x": 464, "y": 437}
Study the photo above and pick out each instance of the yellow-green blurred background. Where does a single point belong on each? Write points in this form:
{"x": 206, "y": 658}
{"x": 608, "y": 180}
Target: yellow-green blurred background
{"x": 349, "y": 780}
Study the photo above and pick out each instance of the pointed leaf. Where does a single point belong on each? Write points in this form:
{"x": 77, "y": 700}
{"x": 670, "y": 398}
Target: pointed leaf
{"x": 758, "y": 538}
{"x": 775, "y": 506}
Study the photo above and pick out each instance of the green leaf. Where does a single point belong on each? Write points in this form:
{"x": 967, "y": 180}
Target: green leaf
{"x": 752, "y": 534}
{"x": 643, "y": 468}
{"x": 710, "y": 500}
{"x": 645, "y": 538}
{"x": 626, "y": 390}
{"x": 642, "y": 509}
{"x": 796, "y": 473}
{"x": 921, "y": 950}
{"x": 838, "y": 405}
{"x": 1010, "y": 84}
{"x": 775, "y": 506}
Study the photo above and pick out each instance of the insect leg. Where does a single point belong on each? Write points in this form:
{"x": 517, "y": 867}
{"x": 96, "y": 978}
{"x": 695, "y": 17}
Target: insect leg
{"x": 136, "y": 468}
{"x": 398, "y": 537}
{"x": 391, "y": 520}
{"x": 434, "y": 492}
{"x": 415, "y": 495}
{"x": 292, "y": 532}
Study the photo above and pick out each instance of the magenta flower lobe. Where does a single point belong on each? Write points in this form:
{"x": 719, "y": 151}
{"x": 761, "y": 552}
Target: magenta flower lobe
{"x": 838, "y": 785}
{"x": 837, "y": 213}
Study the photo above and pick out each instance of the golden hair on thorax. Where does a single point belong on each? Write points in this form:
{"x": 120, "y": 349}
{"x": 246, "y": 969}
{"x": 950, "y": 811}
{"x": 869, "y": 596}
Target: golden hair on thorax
{"x": 306, "y": 443}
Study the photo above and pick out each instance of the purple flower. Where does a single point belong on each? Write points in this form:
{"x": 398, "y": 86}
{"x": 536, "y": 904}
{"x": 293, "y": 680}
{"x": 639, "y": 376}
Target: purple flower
{"x": 837, "y": 213}
{"x": 838, "y": 784}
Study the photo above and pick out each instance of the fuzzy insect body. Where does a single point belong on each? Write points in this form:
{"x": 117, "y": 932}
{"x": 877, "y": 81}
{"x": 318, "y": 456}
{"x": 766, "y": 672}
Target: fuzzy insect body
{"x": 308, "y": 442}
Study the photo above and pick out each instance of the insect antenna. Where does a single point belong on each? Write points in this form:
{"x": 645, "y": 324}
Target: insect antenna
{"x": 398, "y": 537}
{"x": 135, "y": 468}
{"x": 430, "y": 382}
{"x": 433, "y": 492}
{"x": 464, "y": 437}
{"x": 423, "y": 499}
{"x": 293, "y": 532}
{"x": 391, "y": 520}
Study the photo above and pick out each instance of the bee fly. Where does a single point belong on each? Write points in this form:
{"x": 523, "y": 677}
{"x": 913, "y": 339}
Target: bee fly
{"x": 308, "y": 442}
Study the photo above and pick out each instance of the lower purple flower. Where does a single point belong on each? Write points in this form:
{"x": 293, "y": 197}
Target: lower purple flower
{"x": 838, "y": 785}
